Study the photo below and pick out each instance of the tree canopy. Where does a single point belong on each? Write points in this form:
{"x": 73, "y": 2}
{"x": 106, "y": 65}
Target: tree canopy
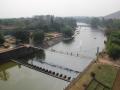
{"x": 38, "y": 37}
{"x": 1, "y": 39}
{"x": 22, "y": 36}
{"x": 67, "y": 31}
{"x": 113, "y": 44}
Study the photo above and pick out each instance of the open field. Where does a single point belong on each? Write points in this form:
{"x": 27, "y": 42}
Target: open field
{"x": 105, "y": 74}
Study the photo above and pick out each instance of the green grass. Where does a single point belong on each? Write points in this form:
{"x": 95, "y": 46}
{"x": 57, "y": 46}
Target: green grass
{"x": 106, "y": 74}
{"x": 92, "y": 86}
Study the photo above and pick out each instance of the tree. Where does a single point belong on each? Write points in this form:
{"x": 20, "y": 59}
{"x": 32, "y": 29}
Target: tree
{"x": 38, "y": 37}
{"x": 67, "y": 31}
{"x": 1, "y": 39}
{"x": 95, "y": 22}
{"x": 113, "y": 44}
{"x": 114, "y": 51}
{"x": 23, "y": 36}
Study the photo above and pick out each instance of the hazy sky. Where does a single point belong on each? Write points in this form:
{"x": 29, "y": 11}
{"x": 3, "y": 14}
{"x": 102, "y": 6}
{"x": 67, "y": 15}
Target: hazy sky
{"x": 24, "y": 8}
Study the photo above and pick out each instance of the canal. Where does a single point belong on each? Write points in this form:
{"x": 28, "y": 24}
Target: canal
{"x": 66, "y": 58}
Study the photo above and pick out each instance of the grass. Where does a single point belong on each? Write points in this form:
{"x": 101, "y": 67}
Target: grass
{"x": 104, "y": 73}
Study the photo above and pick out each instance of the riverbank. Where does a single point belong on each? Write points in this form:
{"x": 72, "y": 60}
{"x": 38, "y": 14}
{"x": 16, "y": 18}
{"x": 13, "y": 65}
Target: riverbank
{"x": 77, "y": 83}
{"x": 48, "y": 43}
{"x": 16, "y": 53}
{"x": 104, "y": 73}
{"x": 105, "y": 70}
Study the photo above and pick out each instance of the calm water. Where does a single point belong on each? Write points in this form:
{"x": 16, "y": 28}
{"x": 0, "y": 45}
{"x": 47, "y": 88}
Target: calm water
{"x": 85, "y": 43}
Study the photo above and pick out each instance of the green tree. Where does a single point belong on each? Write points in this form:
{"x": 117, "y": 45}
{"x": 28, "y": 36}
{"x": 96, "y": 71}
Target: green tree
{"x": 114, "y": 51}
{"x": 113, "y": 44}
{"x": 23, "y": 36}
{"x": 95, "y": 22}
{"x": 67, "y": 31}
{"x": 38, "y": 37}
{"x": 1, "y": 39}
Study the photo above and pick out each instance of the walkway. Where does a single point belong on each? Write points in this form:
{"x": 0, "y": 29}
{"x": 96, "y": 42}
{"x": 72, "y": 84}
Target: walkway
{"x": 70, "y": 53}
{"x": 65, "y": 53}
{"x": 106, "y": 61}
{"x": 116, "y": 85}
{"x": 45, "y": 71}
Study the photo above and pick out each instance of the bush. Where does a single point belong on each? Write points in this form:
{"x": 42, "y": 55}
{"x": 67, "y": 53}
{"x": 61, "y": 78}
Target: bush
{"x": 67, "y": 31}
{"x": 114, "y": 51}
{"x": 1, "y": 39}
{"x": 113, "y": 45}
{"x": 23, "y": 36}
{"x": 38, "y": 37}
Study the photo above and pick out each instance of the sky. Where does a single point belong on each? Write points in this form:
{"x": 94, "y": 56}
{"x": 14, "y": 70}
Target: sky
{"x": 28, "y": 8}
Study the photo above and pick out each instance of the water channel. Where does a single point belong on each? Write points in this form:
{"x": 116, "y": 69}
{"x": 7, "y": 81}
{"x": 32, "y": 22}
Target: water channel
{"x": 67, "y": 58}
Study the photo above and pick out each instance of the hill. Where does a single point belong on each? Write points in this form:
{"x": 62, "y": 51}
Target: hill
{"x": 115, "y": 15}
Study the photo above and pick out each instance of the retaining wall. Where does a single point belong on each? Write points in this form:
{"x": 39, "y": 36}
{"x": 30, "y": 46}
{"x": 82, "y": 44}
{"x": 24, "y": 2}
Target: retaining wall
{"x": 16, "y": 53}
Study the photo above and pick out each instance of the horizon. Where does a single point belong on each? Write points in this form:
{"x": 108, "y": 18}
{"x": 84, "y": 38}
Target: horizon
{"x": 58, "y": 8}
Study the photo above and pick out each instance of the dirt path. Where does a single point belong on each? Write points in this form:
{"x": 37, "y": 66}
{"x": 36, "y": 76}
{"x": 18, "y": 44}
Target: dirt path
{"x": 116, "y": 85}
{"x": 106, "y": 61}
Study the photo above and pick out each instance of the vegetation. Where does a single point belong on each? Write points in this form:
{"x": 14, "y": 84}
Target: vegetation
{"x": 113, "y": 45}
{"x": 83, "y": 19}
{"x": 95, "y": 22}
{"x": 21, "y": 36}
{"x": 113, "y": 34}
{"x": 38, "y": 37}
{"x": 19, "y": 27}
{"x": 46, "y": 23}
{"x": 112, "y": 24}
{"x": 1, "y": 39}
{"x": 106, "y": 74}
{"x": 67, "y": 32}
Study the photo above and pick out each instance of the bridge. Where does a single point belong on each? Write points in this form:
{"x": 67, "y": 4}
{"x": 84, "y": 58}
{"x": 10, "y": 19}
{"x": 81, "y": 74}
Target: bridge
{"x": 25, "y": 50}
{"x": 65, "y": 53}
{"x": 83, "y": 25}
{"x": 46, "y": 71}
{"x": 70, "y": 54}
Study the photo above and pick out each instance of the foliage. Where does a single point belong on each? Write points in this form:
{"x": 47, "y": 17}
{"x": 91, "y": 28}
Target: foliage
{"x": 112, "y": 24}
{"x": 23, "y": 36}
{"x": 47, "y": 23}
{"x": 83, "y": 19}
{"x": 67, "y": 31}
{"x": 1, "y": 39}
{"x": 113, "y": 44}
{"x": 38, "y": 37}
{"x": 95, "y": 22}
{"x": 105, "y": 75}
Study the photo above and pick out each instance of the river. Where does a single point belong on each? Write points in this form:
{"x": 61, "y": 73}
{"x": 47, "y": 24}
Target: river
{"x": 67, "y": 58}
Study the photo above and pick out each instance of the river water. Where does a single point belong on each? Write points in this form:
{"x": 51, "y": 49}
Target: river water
{"x": 67, "y": 58}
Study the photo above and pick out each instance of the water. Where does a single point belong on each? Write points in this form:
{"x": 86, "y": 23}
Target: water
{"x": 85, "y": 43}
{"x": 22, "y": 78}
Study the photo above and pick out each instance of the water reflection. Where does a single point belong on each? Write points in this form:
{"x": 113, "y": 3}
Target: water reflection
{"x": 4, "y": 75}
{"x": 68, "y": 41}
{"x": 39, "y": 59}
{"x": 38, "y": 56}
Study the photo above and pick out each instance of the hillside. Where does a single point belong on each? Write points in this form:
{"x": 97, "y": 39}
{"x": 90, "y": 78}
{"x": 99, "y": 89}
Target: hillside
{"x": 115, "y": 15}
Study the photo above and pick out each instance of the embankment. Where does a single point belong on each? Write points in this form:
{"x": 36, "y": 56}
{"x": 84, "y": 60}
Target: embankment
{"x": 51, "y": 42}
{"x": 16, "y": 53}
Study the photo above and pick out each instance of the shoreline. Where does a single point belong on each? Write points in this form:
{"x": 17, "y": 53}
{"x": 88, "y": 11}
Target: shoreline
{"x": 73, "y": 82}
{"x": 50, "y": 43}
